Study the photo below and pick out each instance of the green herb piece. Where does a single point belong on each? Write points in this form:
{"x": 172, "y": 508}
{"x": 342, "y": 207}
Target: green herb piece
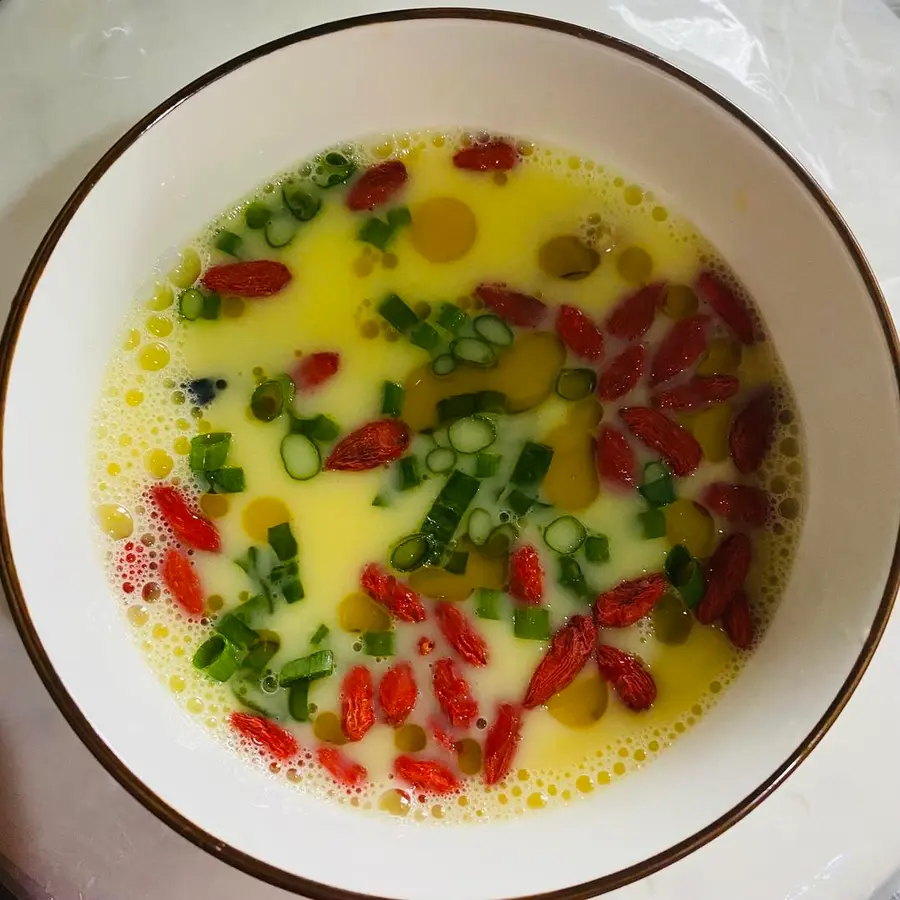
{"x": 300, "y": 457}
{"x": 292, "y": 590}
{"x": 258, "y": 658}
{"x": 519, "y": 502}
{"x": 456, "y": 407}
{"x": 209, "y": 451}
{"x": 285, "y": 571}
{"x": 319, "y": 427}
{"x": 332, "y": 169}
{"x": 392, "y": 399}
{"x": 565, "y": 534}
{"x": 381, "y": 501}
{"x": 653, "y": 524}
{"x": 596, "y": 548}
{"x": 532, "y": 465}
{"x": 378, "y": 643}
{"x": 474, "y": 351}
{"x": 298, "y": 701}
{"x": 408, "y": 475}
{"x": 423, "y": 335}
{"x": 228, "y": 242}
{"x": 257, "y": 215}
{"x": 471, "y": 434}
{"x": 217, "y": 658}
{"x": 227, "y": 480}
{"x": 375, "y": 232}
{"x": 487, "y": 464}
{"x": 268, "y": 400}
{"x": 282, "y": 541}
{"x": 685, "y": 574}
{"x": 212, "y": 306}
{"x": 487, "y": 603}
{"x": 494, "y": 330}
{"x": 319, "y": 635}
{"x": 501, "y": 540}
{"x": 571, "y": 577}
{"x": 657, "y": 486}
{"x": 300, "y": 203}
{"x": 531, "y": 623}
{"x": 576, "y": 384}
{"x": 236, "y": 632}
{"x": 491, "y": 402}
{"x": 411, "y": 553}
{"x": 458, "y": 562}
{"x": 256, "y": 605}
{"x": 397, "y": 313}
{"x": 443, "y": 364}
{"x": 247, "y": 687}
{"x": 190, "y": 304}
{"x": 447, "y": 511}
{"x": 441, "y": 460}
{"x": 280, "y": 230}
{"x": 399, "y": 217}
{"x": 307, "y": 668}
{"x": 451, "y": 318}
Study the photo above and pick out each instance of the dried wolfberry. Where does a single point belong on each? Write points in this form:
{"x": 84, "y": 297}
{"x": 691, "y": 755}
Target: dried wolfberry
{"x": 253, "y": 278}
{"x": 397, "y": 693}
{"x": 633, "y": 684}
{"x": 677, "y": 445}
{"x": 180, "y": 577}
{"x": 343, "y": 770}
{"x": 494, "y": 155}
{"x": 426, "y": 775}
{"x": 622, "y": 374}
{"x": 370, "y": 446}
{"x": 312, "y": 371}
{"x": 266, "y": 734}
{"x": 727, "y": 306}
{"x": 752, "y": 431}
{"x": 440, "y": 734}
{"x": 526, "y": 577}
{"x": 357, "y": 703}
{"x": 190, "y": 527}
{"x": 701, "y": 391}
{"x": 628, "y": 601}
{"x": 425, "y": 646}
{"x": 679, "y": 349}
{"x": 501, "y": 743}
{"x": 453, "y": 694}
{"x": 377, "y": 185}
{"x": 519, "y": 309}
{"x": 725, "y": 575}
{"x": 569, "y": 650}
{"x": 400, "y": 601}
{"x": 737, "y": 502}
{"x": 634, "y": 315}
{"x": 738, "y": 621}
{"x": 461, "y": 634}
{"x": 578, "y": 332}
{"x": 614, "y": 457}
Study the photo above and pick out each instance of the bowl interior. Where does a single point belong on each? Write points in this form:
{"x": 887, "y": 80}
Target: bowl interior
{"x": 593, "y": 96}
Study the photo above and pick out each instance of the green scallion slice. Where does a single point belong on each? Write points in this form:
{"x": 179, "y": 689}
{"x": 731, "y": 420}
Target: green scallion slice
{"x": 397, "y": 313}
{"x": 657, "y": 486}
{"x": 596, "y": 548}
{"x": 531, "y": 623}
{"x": 392, "y": 399}
{"x": 300, "y": 456}
{"x": 571, "y": 577}
{"x": 236, "y": 632}
{"x": 653, "y": 524}
{"x": 411, "y": 553}
{"x": 532, "y": 464}
{"x": 301, "y": 203}
{"x": 519, "y": 502}
{"x": 378, "y": 643}
{"x": 685, "y": 574}
{"x": 458, "y": 562}
{"x": 576, "y": 384}
{"x": 494, "y": 330}
{"x": 282, "y": 541}
{"x": 479, "y": 526}
{"x": 375, "y": 232}
{"x": 319, "y": 427}
{"x": 471, "y": 434}
{"x": 190, "y": 304}
{"x": 501, "y": 540}
{"x": 209, "y": 451}
{"x": 227, "y": 480}
{"x": 292, "y": 590}
{"x": 212, "y": 306}
{"x": 332, "y": 169}
{"x": 228, "y": 242}
{"x": 268, "y": 400}
{"x": 473, "y": 351}
{"x": 487, "y": 464}
{"x": 455, "y": 407}
{"x": 280, "y": 230}
{"x": 447, "y": 511}
{"x": 256, "y": 605}
{"x": 257, "y": 214}
{"x": 677, "y": 560}
{"x": 258, "y": 658}
{"x": 423, "y": 335}
{"x": 247, "y": 687}
{"x": 487, "y": 603}
{"x": 451, "y": 318}
{"x": 399, "y": 217}
{"x": 408, "y": 474}
{"x": 307, "y": 668}
{"x": 441, "y": 460}
{"x": 565, "y": 535}
{"x": 298, "y": 701}
{"x": 491, "y": 402}
{"x": 443, "y": 364}
{"x": 217, "y": 658}
{"x": 284, "y": 571}
{"x": 319, "y": 635}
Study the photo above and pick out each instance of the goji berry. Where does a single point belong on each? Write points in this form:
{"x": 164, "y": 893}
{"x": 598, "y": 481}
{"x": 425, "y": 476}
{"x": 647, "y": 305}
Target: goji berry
{"x": 343, "y": 770}
{"x": 570, "y": 648}
{"x": 526, "y": 577}
{"x": 357, "y": 703}
{"x": 677, "y": 445}
{"x": 519, "y": 309}
{"x": 180, "y": 577}
{"x": 370, "y": 446}
{"x": 629, "y": 601}
{"x": 578, "y": 332}
{"x": 633, "y": 684}
{"x": 622, "y": 374}
{"x": 190, "y": 527}
{"x": 426, "y": 775}
{"x": 501, "y": 743}
{"x": 397, "y": 693}
{"x": 377, "y": 185}
{"x": 738, "y": 621}
{"x": 737, "y": 502}
{"x": 441, "y": 736}
{"x": 727, "y": 306}
{"x": 461, "y": 634}
{"x": 701, "y": 391}
{"x": 679, "y": 349}
{"x": 400, "y": 601}
{"x": 266, "y": 734}
{"x": 494, "y": 155}
{"x": 250, "y": 279}
{"x": 634, "y": 315}
{"x": 425, "y": 645}
{"x": 614, "y": 457}
{"x": 752, "y": 431}
{"x": 725, "y": 574}
{"x": 312, "y": 371}
{"x": 453, "y": 694}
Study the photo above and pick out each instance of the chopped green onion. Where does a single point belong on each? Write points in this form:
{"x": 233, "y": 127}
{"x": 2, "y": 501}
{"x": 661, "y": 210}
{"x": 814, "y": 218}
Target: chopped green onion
{"x": 458, "y": 562}
{"x": 451, "y": 318}
{"x": 307, "y": 668}
{"x": 378, "y": 643}
{"x": 392, "y": 399}
{"x": 236, "y": 632}
{"x": 399, "y": 217}
{"x": 531, "y": 623}
{"x": 677, "y": 560}
{"x": 565, "y": 535}
{"x": 397, "y": 313}
{"x": 479, "y": 526}
{"x": 258, "y": 658}
{"x": 282, "y": 541}
{"x": 519, "y": 502}
{"x": 423, "y": 335}
{"x": 501, "y": 540}
{"x": 381, "y": 500}
{"x": 441, "y": 460}
{"x": 209, "y": 451}
{"x": 443, "y": 364}
{"x": 596, "y": 548}
{"x": 257, "y": 214}
{"x": 332, "y": 169}
{"x": 301, "y": 203}
{"x": 268, "y": 400}
{"x": 571, "y": 577}
{"x": 532, "y": 464}
{"x": 298, "y": 701}
{"x": 212, "y": 306}
{"x": 227, "y": 480}
{"x": 411, "y": 553}
{"x": 473, "y": 351}
{"x": 657, "y": 486}
{"x": 375, "y": 232}
{"x": 217, "y": 658}
{"x": 576, "y": 384}
{"x": 685, "y": 574}
{"x": 491, "y": 402}
{"x": 487, "y": 464}
{"x": 653, "y": 524}
{"x": 300, "y": 456}
{"x": 494, "y": 330}
{"x": 257, "y": 604}
{"x": 280, "y": 230}
{"x": 455, "y": 407}
{"x": 471, "y": 434}
{"x": 292, "y": 590}
{"x": 487, "y": 603}
{"x": 247, "y": 687}
{"x": 408, "y": 475}
{"x": 228, "y": 242}
{"x": 319, "y": 427}
{"x": 319, "y": 635}
{"x": 285, "y": 571}
{"x": 190, "y": 304}
{"x": 447, "y": 511}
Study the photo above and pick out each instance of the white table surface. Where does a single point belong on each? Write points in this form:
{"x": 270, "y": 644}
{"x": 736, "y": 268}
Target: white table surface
{"x": 74, "y": 74}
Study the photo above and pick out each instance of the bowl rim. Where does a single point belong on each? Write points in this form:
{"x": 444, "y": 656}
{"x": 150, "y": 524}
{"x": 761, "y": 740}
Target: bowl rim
{"x": 8, "y": 576}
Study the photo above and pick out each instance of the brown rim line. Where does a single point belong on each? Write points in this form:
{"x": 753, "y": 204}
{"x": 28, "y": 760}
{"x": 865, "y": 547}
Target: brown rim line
{"x": 252, "y": 866}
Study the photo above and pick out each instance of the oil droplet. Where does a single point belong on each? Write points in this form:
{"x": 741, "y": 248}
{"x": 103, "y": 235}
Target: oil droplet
{"x": 634, "y": 265}
{"x": 176, "y": 684}
{"x": 659, "y": 213}
{"x": 619, "y": 768}
{"x": 468, "y": 756}
{"x": 293, "y": 775}
{"x": 113, "y": 469}
{"x": 182, "y": 446}
{"x": 154, "y": 357}
{"x": 186, "y": 270}
{"x": 161, "y": 326}
{"x": 134, "y": 397}
{"x": 537, "y": 800}
{"x": 194, "y": 705}
{"x": 603, "y": 777}
{"x": 410, "y": 739}
{"x": 115, "y": 521}
{"x": 160, "y": 632}
{"x": 634, "y": 195}
{"x": 132, "y": 339}
{"x": 158, "y": 463}
{"x": 327, "y": 727}
{"x": 585, "y": 784}
{"x": 232, "y": 307}
{"x": 215, "y": 506}
{"x": 214, "y": 602}
{"x": 262, "y": 514}
{"x": 137, "y": 615}
{"x": 640, "y": 755}
{"x": 437, "y": 812}
{"x": 395, "y": 802}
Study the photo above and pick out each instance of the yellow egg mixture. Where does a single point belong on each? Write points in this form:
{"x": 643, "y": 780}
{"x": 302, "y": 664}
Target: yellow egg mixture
{"x": 585, "y": 737}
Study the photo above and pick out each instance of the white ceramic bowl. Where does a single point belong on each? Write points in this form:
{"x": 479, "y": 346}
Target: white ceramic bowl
{"x": 221, "y": 136}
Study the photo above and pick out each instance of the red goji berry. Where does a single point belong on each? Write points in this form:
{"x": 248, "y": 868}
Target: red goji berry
{"x": 427, "y": 775}
{"x": 526, "y": 577}
{"x": 633, "y": 684}
{"x": 679, "y": 349}
{"x": 519, "y": 309}
{"x": 343, "y": 770}
{"x": 614, "y": 457}
{"x": 180, "y": 577}
{"x": 250, "y": 279}
{"x": 621, "y": 376}
{"x": 676, "y": 444}
{"x": 453, "y": 694}
{"x": 425, "y": 645}
{"x": 370, "y": 446}
{"x": 441, "y": 736}
{"x": 266, "y": 734}
{"x": 727, "y": 306}
{"x": 570, "y": 648}
{"x": 578, "y": 332}
{"x": 377, "y": 185}
{"x": 357, "y": 703}
{"x": 737, "y": 502}
{"x": 312, "y": 371}
{"x": 752, "y": 431}
{"x": 725, "y": 574}
{"x": 701, "y": 391}
{"x": 634, "y": 315}
{"x": 501, "y": 743}
{"x": 461, "y": 634}
{"x": 397, "y": 693}
{"x": 400, "y": 601}
{"x": 629, "y": 601}
{"x": 190, "y": 527}
{"x": 738, "y": 621}
{"x": 494, "y": 155}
